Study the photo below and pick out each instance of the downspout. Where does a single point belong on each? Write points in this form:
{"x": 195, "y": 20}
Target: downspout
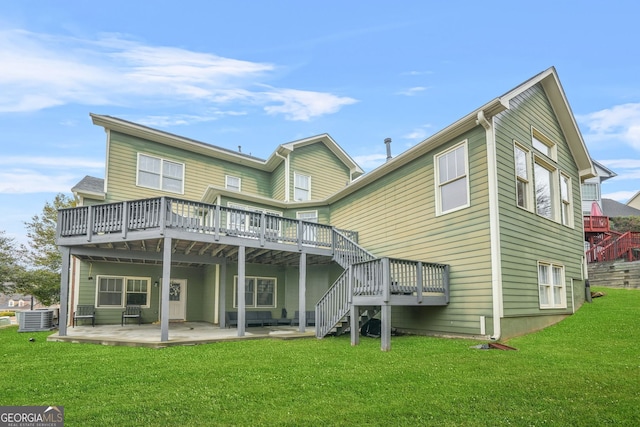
{"x": 494, "y": 224}
{"x": 286, "y": 175}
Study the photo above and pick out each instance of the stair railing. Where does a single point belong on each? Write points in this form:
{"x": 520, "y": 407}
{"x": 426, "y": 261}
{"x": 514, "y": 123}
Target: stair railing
{"x": 347, "y": 252}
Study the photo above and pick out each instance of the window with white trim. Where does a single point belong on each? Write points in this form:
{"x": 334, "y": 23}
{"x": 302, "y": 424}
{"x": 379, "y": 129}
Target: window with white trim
{"x": 551, "y": 286}
{"x": 301, "y": 187}
{"x": 259, "y": 292}
{"x": 232, "y": 183}
{"x": 566, "y": 206}
{"x": 251, "y": 219}
{"x": 590, "y": 191}
{"x": 119, "y": 291}
{"x": 543, "y": 144}
{"x": 523, "y": 176}
{"x": 452, "y": 179}
{"x": 545, "y": 197}
{"x": 160, "y": 174}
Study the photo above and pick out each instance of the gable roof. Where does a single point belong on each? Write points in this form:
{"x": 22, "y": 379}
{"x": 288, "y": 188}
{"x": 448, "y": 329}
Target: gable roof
{"x": 90, "y": 186}
{"x": 172, "y": 140}
{"x": 633, "y": 198}
{"x": 553, "y": 89}
{"x": 603, "y": 172}
{"x": 613, "y": 208}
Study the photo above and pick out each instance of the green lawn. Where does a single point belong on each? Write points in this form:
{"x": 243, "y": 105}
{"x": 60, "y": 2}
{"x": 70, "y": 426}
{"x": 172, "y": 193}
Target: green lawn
{"x": 584, "y": 371}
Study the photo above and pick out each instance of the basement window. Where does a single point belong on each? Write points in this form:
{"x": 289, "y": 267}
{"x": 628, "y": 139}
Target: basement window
{"x": 551, "y": 286}
{"x": 259, "y": 292}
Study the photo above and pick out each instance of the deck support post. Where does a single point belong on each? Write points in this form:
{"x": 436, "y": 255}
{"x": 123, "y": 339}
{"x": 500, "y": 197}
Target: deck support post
{"x": 355, "y": 330}
{"x": 64, "y": 291}
{"x": 242, "y": 308}
{"x": 166, "y": 285}
{"x": 222, "y": 295}
{"x": 302, "y": 292}
{"x": 385, "y": 331}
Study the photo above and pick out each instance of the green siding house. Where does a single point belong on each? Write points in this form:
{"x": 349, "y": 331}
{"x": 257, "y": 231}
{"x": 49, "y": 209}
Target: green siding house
{"x": 476, "y": 231}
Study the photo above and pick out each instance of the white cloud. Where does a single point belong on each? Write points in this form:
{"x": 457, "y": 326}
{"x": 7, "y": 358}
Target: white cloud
{"x": 51, "y": 162}
{"x": 25, "y": 181}
{"x": 620, "y": 196}
{"x": 418, "y": 134}
{"x": 370, "y": 161}
{"x": 412, "y": 91}
{"x": 184, "y": 119}
{"x": 621, "y": 123}
{"x": 39, "y": 71}
{"x": 304, "y": 105}
{"x": 621, "y": 163}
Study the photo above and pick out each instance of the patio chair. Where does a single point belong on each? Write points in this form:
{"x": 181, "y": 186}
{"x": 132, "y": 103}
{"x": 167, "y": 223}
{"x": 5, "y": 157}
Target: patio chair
{"x": 132, "y": 312}
{"x": 85, "y": 312}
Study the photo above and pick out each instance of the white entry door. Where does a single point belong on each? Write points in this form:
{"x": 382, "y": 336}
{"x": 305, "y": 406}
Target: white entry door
{"x": 177, "y": 299}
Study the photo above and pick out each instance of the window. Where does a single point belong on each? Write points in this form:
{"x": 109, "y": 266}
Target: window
{"x": 301, "y": 187}
{"x": 523, "y": 172}
{"x": 551, "y": 285}
{"x": 258, "y": 292}
{"x": 160, "y": 174}
{"x": 452, "y": 182}
{"x": 590, "y": 192}
{"x": 544, "y": 191}
{"x": 566, "y": 207}
{"x": 251, "y": 219}
{"x": 232, "y": 182}
{"x": 118, "y": 291}
{"x": 137, "y": 291}
{"x": 12, "y": 303}
{"x": 543, "y": 144}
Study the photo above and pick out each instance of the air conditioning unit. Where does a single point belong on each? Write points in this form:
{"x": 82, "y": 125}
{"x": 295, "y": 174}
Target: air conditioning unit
{"x": 35, "y": 320}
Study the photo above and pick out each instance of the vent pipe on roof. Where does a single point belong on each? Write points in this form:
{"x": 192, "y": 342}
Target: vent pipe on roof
{"x": 239, "y": 148}
{"x": 387, "y": 142}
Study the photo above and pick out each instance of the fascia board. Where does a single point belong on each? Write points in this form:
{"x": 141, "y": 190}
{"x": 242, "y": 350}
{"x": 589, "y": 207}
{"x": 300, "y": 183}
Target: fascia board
{"x": 461, "y": 126}
{"x": 176, "y": 141}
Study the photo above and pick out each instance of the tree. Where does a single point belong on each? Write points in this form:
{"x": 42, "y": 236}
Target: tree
{"x": 9, "y": 265}
{"x": 40, "y": 258}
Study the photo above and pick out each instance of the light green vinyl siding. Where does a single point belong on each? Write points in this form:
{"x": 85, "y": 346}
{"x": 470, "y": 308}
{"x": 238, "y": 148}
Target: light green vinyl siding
{"x": 328, "y": 174}
{"x": 200, "y": 290}
{"x": 395, "y": 217}
{"x": 200, "y": 171}
{"x": 277, "y": 182}
{"x": 526, "y": 237}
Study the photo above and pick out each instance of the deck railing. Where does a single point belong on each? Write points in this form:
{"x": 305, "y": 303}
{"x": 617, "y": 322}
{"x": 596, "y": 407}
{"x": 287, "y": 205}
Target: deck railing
{"x": 379, "y": 278}
{"x": 346, "y": 250}
{"x": 196, "y": 217}
{"x": 614, "y": 247}
{"x": 595, "y": 224}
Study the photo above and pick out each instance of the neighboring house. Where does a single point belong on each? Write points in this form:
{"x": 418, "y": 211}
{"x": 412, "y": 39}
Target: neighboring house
{"x": 17, "y": 302}
{"x": 475, "y": 231}
{"x": 592, "y": 188}
{"x": 634, "y": 202}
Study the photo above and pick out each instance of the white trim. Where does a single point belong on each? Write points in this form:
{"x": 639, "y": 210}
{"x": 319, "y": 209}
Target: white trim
{"x": 255, "y": 292}
{"x": 295, "y": 175}
{"x": 123, "y": 299}
{"x": 438, "y": 184}
{"x": 552, "y": 304}
{"x": 494, "y": 228}
{"x": 569, "y": 202}
{"x": 162, "y": 162}
{"x": 228, "y": 187}
{"x": 530, "y": 182}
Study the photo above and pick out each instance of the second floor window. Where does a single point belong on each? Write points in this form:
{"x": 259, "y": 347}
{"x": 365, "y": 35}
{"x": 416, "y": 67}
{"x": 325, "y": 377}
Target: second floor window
{"x": 160, "y": 174}
{"x": 452, "y": 179}
{"x": 302, "y": 187}
{"x": 232, "y": 183}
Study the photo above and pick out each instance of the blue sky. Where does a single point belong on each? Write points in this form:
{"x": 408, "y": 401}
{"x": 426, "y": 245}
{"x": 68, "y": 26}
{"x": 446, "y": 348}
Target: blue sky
{"x": 262, "y": 73}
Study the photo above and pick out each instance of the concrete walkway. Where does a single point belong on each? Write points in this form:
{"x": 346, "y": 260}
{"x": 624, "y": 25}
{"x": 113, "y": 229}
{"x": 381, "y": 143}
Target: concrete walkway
{"x": 183, "y": 333}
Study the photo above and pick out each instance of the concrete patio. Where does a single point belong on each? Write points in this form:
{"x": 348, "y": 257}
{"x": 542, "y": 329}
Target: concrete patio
{"x": 183, "y": 333}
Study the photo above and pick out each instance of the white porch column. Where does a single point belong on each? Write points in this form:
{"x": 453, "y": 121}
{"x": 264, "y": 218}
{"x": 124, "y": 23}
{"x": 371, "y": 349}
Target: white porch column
{"x": 302, "y": 291}
{"x": 64, "y": 292}
{"x": 222, "y": 302}
{"x": 241, "y": 289}
{"x": 166, "y": 285}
